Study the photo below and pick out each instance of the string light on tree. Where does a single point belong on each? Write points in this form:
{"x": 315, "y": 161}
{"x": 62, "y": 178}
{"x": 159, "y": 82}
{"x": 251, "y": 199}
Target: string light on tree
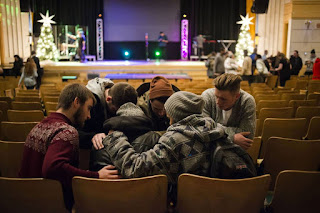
{"x": 244, "y": 41}
{"x": 46, "y": 48}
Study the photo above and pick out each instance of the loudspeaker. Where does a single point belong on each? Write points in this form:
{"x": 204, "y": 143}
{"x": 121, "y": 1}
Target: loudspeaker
{"x": 260, "y": 6}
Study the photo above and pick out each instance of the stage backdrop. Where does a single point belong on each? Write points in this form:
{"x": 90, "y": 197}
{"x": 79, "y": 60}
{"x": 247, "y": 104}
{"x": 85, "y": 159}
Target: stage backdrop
{"x": 127, "y": 21}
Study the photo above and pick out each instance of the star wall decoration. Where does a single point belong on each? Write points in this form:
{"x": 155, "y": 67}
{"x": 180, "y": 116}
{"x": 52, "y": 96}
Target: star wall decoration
{"x": 245, "y": 21}
{"x": 46, "y": 20}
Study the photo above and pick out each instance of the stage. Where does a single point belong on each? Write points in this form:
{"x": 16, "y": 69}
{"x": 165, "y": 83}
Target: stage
{"x": 125, "y": 66}
{"x": 53, "y": 71}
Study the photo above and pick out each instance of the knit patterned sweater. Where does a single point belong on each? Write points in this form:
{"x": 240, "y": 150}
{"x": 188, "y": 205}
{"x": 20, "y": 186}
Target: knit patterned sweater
{"x": 51, "y": 151}
{"x": 242, "y": 118}
{"x": 185, "y": 147}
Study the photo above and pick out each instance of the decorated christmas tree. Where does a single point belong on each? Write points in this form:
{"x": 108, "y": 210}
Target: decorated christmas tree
{"x": 244, "y": 41}
{"x": 46, "y": 48}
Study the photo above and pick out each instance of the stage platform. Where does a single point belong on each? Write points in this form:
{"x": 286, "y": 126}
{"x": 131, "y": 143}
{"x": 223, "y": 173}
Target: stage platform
{"x": 172, "y": 67}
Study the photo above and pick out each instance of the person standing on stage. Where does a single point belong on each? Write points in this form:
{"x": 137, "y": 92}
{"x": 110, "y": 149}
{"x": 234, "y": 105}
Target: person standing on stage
{"x": 81, "y": 44}
{"x": 163, "y": 40}
{"x": 200, "y": 41}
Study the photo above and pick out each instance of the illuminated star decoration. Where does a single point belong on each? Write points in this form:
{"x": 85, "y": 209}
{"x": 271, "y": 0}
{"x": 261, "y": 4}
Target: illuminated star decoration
{"x": 46, "y": 20}
{"x": 245, "y": 21}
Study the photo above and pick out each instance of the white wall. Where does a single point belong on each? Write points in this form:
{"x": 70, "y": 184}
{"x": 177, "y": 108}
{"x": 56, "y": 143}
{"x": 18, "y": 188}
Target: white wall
{"x": 13, "y": 34}
{"x": 302, "y": 38}
{"x": 270, "y": 28}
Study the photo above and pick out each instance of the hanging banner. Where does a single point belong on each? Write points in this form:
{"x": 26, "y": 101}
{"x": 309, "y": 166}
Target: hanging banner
{"x": 184, "y": 39}
{"x": 99, "y": 39}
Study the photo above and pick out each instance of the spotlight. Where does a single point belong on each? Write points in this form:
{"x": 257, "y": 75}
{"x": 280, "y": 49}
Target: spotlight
{"x": 184, "y": 16}
{"x": 157, "y": 53}
{"x": 126, "y": 53}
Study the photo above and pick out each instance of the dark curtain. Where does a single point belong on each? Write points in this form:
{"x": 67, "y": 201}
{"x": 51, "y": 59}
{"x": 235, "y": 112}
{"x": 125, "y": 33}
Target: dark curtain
{"x": 214, "y": 18}
{"x": 68, "y": 12}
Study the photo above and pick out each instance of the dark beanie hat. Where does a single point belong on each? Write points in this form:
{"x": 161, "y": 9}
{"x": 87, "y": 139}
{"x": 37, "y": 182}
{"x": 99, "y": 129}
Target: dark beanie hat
{"x": 160, "y": 87}
{"x": 313, "y": 51}
{"x": 182, "y": 104}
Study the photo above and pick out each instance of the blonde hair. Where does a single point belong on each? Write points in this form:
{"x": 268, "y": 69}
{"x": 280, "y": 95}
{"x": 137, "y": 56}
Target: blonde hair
{"x": 229, "y": 82}
{"x": 30, "y": 67}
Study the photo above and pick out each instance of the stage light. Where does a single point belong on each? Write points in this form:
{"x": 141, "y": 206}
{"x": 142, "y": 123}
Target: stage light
{"x": 126, "y": 53}
{"x": 157, "y": 53}
{"x": 184, "y": 16}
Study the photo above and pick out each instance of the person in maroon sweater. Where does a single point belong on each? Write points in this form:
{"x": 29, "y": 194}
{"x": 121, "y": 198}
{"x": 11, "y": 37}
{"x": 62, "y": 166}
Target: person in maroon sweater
{"x": 51, "y": 149}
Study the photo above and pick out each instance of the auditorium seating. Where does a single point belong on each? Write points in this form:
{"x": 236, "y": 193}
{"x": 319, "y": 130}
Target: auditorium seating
{"x": 10, "y": 158}
{"x": 16, "y": 131}
{"x": 31, "y": 195}
{"x": 284, "y": 154}
{"x": 313, "y": 132}
{"x": 147, "y": 194}
{"x": 280, "y": 127}
{"x": 25, "y": 115}
{"x": 296, "y": 191}
{"x": 285, "y": 112}
{"x": 270, "y": 104}
{"x": 28, "y": 99}
{"x": 308, "y": 112}
{"x": 297, "y": 103}
{"x": 203, "y": 194}
{"x": 26, "y": 105}
{"x": 4, "y": 106}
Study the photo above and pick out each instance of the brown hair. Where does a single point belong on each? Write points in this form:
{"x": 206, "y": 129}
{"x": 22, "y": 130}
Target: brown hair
{"x": 72, "y": 91}
{"x": 30, "y": 67}
{"x": 229, "y": 82}
{"x": 122, "y": 93}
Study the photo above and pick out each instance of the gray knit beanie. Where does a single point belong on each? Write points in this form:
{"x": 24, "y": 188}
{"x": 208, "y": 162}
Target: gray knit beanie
{"x": 182, "y": 104}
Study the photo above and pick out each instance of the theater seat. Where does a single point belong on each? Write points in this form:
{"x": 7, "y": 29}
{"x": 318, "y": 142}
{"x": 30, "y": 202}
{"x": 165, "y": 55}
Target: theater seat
{"x": 296, "y": 192}
{"x": 143, "y": 195}
{"x": 203, "y": 194}
{"x": 31, "y": 195}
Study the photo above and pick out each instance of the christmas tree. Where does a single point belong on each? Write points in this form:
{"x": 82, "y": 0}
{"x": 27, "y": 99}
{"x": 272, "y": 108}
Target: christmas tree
{"x": 46, "y": 48}
{"x": 244, "y": 41}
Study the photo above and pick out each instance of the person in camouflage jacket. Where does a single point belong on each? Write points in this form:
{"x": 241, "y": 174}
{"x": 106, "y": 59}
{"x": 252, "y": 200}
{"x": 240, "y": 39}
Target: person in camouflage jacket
{"x": 184, "y": 148}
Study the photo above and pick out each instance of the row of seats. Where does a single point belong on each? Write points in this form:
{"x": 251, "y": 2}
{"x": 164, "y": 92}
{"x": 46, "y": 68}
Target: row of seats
{"x": 295, "y": 191}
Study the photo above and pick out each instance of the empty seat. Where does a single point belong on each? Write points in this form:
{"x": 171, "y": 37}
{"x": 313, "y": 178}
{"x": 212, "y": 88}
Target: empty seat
{"x": 10, "y": 158}
{"x": 4, "y": 107}
{"x": 203, "y": 194}
{"x": 271, "y": 104}
{"x": 50, "y": 99}
{"x": 51, "y": 106}
{"x": 293, "y": 96}
{"x": 28, "y": 99}
{"x": 308, "y": 112}
{"x": 284, "y": 153}
{"x": 313, "y": 132}
{"x": 314, "y": 96}
{"x": 266, "y": 97}
{"x": 16, "y": 131}
{"x": 284, "y": 112}
{"x": 296, "y": 192}
{"x": 281, "y": 127}
{"x": 26, "y": 105}
{"x": 25, "y": 115}
{"x": 297, "y": 103}
{"x": 31, "y": 195}
{"x": 147, "y": 194}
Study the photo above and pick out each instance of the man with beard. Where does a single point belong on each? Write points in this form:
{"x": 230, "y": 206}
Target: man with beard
{"x": 51, "y": 149}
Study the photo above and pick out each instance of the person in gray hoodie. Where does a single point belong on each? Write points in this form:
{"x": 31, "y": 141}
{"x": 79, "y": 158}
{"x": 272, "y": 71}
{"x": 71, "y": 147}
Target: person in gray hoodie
{"x": 184, "y": 148}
